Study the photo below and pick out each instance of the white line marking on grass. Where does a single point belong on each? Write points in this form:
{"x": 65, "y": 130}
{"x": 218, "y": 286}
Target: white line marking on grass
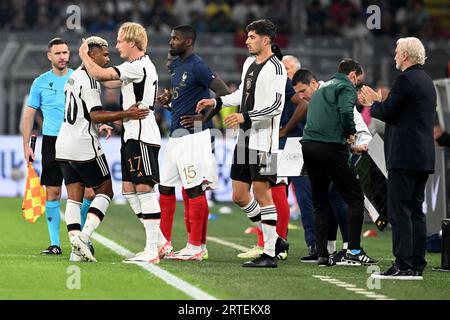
{"x": 164, "y": 275}
{"x": 346, "y": 285}
{"x": 352, "y": 288}
{"x": 355, "y": 289}
{"x": 228, "y": 244}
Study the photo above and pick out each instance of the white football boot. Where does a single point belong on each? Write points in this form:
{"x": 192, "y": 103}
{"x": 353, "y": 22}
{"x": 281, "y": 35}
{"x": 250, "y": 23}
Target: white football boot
{"x": 189, "y": 253}
{"x": 143, "y": 257}
{"x": 82, "y": 247}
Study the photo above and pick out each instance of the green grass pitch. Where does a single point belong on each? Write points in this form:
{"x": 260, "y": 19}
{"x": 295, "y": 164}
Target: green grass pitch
{"x": 25, "y": 274}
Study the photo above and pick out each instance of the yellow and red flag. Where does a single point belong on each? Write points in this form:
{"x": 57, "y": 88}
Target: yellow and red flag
{"x": 33, "y": 205}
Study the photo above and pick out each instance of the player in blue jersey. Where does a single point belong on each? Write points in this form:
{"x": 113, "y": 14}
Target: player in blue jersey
{"x": 47, "y": 94}
{"x": 189, "y": 161}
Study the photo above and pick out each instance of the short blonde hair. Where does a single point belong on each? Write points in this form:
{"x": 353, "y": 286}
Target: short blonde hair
{"x": 414, "y": 48}
{"x": 96, "y": 41}
{"x": 134, "y": 32}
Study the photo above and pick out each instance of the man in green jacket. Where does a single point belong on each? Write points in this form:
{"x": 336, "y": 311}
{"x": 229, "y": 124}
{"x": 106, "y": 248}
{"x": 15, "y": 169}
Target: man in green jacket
{"x": 329, "y": 131}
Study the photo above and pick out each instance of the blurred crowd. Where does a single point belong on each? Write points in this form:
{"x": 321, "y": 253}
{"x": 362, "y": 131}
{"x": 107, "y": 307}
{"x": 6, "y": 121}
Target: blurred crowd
{"x": 346, "y": 18}
{"x": 399, "y": 18}
{"x": 156, "y": 15}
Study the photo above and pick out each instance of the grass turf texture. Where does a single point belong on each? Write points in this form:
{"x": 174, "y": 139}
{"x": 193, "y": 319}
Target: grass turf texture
{"x": 25, "y": 274}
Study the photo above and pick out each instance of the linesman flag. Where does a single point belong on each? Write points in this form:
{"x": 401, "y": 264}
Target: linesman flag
{"x": 33, "y": 205}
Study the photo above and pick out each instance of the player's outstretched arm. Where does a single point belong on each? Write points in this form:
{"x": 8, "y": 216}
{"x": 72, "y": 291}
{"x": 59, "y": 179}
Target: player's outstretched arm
{"x": 234, "y": 120}
{"x": 133, "y": 113}
{"x": 299, "y": 114}
{"x": 99, "y": 73}
{"x": 205, "y": 103}
{"x": 219, "y": 87}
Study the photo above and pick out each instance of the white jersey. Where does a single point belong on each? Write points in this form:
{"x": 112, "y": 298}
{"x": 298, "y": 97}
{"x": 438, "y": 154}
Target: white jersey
{"x": 268, "y": 102}
{"x": 139, "y": 84}
{"x": 78, "y": 137}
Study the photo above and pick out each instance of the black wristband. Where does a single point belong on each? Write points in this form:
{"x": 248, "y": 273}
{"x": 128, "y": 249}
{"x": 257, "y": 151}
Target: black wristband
{"x": 219, "y": 103}
{"x": 246, "y": 117}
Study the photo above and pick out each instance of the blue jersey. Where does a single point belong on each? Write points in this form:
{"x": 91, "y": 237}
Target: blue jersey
{"x": 288, "y": 111}
{"x": 47, "y": 93}
{"x": 190, "y": 83}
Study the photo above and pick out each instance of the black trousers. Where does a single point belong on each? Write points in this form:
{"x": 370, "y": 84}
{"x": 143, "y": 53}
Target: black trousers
{"x": 406, "y": 193}
{"x": 326, "y": 162}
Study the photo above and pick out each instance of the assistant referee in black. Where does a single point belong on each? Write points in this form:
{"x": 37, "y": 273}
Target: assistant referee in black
{"x": 329, "y": 130}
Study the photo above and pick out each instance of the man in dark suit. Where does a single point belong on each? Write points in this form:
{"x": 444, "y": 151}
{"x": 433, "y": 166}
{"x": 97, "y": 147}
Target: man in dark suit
{"x": 409, "y": 113}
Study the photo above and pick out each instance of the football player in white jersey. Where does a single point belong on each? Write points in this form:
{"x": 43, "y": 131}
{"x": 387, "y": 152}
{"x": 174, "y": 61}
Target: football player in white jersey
{"x": 261, "y": 97}
{"x": 83, "y": 162}
{"x": 141, "y": 138}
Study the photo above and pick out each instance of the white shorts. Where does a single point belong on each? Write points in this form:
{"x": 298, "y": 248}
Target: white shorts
{"x": 189, "y": 162}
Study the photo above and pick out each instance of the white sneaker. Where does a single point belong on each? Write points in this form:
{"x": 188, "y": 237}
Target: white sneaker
{"x": 165, "y": 250}
{"x": 143, "y": 257}
{"x": 190, "y": 253}
{"x": 82, "y": 248}
{"x": 253, "y": 253}
{"x": 75, "y": 257}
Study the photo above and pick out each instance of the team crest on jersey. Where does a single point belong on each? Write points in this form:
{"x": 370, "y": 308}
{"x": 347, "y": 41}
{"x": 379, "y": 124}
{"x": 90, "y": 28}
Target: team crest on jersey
{"x": 183, "y": 79}
{"x": 248, "y": 84}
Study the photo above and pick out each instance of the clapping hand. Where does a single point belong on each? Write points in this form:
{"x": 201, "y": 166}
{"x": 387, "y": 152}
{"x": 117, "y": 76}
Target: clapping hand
{"x": 368, "y": 96}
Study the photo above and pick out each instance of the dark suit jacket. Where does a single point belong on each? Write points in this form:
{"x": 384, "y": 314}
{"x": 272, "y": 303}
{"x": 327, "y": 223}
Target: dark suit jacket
{"x": 409, "y": 113}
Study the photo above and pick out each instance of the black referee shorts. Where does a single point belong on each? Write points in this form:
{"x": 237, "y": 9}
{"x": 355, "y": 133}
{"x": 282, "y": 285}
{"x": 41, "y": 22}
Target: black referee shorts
{"x": 51, "y": 171}
{"x": 139, "y": 162}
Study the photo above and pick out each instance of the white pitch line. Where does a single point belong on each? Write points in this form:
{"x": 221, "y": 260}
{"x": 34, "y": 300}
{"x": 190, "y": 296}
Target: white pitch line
{"x": 164, "y": 275}
{"x": 336, "y": 282}
{"x": 352, "y": 288}
{"x": 228, "y": 244}
{"x": 355, "y": 289}
{"x": 346, "y": 285}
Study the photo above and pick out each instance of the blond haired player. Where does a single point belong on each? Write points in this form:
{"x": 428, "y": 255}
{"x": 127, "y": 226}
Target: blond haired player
{"x": 141, "y": 138}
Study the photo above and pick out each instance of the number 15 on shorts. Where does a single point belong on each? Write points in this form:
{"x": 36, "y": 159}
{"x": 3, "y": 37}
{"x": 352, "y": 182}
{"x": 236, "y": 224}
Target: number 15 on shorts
{"x": 189, "y": 173}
